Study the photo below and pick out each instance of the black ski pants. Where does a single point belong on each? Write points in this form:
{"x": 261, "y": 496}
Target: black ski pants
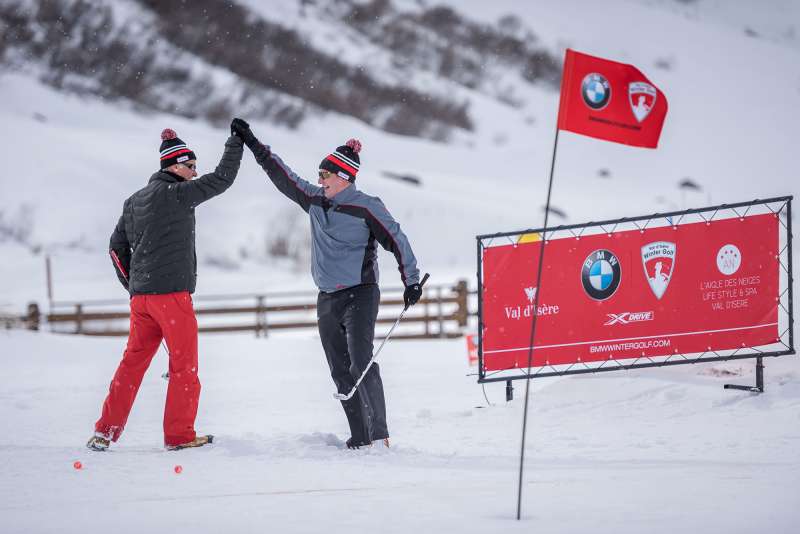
{"x": 346, "y": 321}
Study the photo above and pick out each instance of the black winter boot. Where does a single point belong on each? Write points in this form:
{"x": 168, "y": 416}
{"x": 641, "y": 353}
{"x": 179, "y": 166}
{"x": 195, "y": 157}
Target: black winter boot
{"x": 352, "y": 444}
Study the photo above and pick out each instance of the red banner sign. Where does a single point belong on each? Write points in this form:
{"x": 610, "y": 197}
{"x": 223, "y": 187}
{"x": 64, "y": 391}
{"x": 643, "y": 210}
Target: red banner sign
{"x": 684, "y": 289}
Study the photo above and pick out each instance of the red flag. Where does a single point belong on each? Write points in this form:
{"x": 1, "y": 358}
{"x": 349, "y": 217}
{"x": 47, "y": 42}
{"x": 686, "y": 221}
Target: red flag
{"x": 611, "y": 101}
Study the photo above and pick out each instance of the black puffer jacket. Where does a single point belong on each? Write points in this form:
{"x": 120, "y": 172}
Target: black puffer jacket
{"x": 152, "y": 247}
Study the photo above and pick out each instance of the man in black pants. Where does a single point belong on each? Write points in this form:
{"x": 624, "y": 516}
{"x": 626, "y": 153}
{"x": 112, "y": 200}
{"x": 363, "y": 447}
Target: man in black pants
{"x": 345, "y": 226}
{"x": 346, "y": 321}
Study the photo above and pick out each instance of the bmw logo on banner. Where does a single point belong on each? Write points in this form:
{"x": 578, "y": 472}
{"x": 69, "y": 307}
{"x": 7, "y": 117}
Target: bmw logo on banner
{"x": 596, "y": 91}
{"x": 601, "y": 274}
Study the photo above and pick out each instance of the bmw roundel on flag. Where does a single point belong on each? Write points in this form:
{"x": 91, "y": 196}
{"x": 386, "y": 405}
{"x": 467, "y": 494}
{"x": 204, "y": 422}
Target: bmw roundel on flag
{"x": 596, "y": 91}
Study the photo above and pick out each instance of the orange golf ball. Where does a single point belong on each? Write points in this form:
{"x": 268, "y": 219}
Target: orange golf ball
{"x": 178, "y": 469}
{"x": 77, "y": 465}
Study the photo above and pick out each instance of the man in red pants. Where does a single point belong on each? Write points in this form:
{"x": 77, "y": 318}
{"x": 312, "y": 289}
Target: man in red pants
{"x": 153, "y": 251}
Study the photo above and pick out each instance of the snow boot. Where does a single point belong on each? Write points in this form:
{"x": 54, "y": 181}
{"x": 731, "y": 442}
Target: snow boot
{"x": 199, "y": 441}
{"x": 98, "y": 442}
{"x": 352, "y": 444}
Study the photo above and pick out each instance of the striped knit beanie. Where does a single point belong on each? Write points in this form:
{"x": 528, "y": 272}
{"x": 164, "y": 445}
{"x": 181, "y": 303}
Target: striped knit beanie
{"x": 344, "y": 161}
{"x": 173, "y": 150}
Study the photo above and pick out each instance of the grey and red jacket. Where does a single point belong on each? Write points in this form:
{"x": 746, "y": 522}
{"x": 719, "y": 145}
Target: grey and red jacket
{"x": 344, "y": 229}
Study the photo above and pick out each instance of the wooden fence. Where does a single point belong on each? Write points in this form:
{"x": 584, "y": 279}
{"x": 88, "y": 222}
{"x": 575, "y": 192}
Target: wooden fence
{"x": 29, "y": 321}
{"x": 442, "y": 312}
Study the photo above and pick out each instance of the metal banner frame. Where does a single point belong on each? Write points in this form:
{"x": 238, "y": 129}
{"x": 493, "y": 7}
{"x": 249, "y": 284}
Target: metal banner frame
{"x": 780, "y": 206}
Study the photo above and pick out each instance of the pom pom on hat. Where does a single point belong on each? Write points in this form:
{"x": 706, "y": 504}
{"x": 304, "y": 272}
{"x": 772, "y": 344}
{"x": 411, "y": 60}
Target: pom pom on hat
{"x": 355, "y": 144}
{"x": 168, "y": 134}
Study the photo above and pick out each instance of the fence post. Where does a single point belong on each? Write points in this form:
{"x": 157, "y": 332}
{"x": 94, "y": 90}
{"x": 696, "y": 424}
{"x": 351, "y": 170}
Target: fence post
{"x": 79, "y": 318}
{"x": 264, "y": 319}
{"x": 33, "y": 317}
{"x": 427, "y": 314}
{"x": 49, "y": 281}
{"x": 439, "y": 309}
{"x": 259, "y": 314}
{"x": 461, "y": 294}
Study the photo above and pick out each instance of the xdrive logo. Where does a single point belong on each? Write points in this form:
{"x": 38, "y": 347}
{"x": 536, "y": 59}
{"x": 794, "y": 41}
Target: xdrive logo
{"x": 629, "y": 317}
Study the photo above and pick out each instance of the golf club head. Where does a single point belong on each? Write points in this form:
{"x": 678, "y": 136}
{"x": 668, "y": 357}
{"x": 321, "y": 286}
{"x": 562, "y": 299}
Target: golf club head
{"x": 341, "y": 396}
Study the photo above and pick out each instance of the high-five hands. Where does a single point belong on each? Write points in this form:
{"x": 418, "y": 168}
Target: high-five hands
{"x": 242, "y": 129}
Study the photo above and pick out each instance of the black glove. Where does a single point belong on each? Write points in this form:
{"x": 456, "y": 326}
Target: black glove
{"x": 412, "y": 294}
{"x": 240, "y": 128}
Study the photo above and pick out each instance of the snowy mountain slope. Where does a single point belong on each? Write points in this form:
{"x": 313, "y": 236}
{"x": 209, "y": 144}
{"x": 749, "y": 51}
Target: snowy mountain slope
{"x": 659, "y": 451}
{"x": 410, "y": 72}
{"x": 69, "y": 204}
{"x": 434, "y": 48}
{"x": 737, "y": 144}
{"x": 776, "y": 20}
{"x": 113, "y": 51}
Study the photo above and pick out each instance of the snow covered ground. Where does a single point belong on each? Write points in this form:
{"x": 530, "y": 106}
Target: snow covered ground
{"x": 665, "y": 450}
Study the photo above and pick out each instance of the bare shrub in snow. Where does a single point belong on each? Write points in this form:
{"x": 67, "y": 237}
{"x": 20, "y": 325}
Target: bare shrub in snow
{"x": 18, "y": 226}
{"x": 288, "y": 237}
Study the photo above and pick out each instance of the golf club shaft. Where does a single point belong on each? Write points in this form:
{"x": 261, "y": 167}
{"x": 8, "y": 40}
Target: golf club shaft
{"x": 352, "y": 392}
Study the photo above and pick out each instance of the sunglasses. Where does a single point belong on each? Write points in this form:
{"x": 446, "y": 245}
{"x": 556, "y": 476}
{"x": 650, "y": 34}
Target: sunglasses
{"x": 325, "y": 174}
{"x": 190, "y": 166}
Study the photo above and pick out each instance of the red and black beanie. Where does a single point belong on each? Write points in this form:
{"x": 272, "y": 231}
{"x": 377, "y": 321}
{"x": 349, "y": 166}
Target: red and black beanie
{"x": 173, "y": 150}
{"x": 344, "y": 161}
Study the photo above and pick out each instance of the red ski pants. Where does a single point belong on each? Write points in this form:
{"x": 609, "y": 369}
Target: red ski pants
{"x": 153, "y": 317}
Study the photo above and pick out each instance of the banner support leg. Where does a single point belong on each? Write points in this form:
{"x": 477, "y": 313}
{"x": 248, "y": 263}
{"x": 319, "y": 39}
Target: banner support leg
{"x": 759, "y": 387}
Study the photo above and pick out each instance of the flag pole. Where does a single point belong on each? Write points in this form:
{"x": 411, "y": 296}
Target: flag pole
{"x": 533, "y": 324}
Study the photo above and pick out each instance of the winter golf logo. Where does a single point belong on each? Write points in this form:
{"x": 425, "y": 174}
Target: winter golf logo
{"x": 658, "y": 260}
{"x": 601, "y": 274}
{"x": 729, "y": 259}
{"x": 596, "y": 91}
{"x": 642, "y": 98}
